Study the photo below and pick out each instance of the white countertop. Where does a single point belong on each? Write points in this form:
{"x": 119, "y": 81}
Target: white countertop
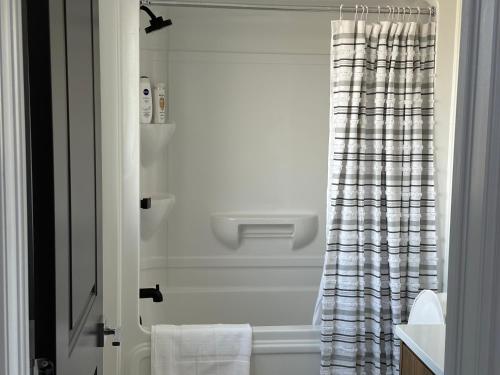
{"x": 426, "y": 341}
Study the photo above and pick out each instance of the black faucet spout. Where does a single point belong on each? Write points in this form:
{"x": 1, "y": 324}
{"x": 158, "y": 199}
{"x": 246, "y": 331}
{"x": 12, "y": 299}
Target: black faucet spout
{"x": 153, "y": 293}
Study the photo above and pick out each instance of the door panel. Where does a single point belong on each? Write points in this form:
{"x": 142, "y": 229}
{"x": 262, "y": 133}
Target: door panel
{"x": 76, "y": 130}
{"x": 79, "y": 51}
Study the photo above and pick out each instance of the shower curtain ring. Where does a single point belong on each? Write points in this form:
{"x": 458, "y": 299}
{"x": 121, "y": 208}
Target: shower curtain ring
{"x": 367, "y": 12}
{"x": 378, "y": 17}
{"x": 430, "y": 14}
{"x": 356, "y": 14}
{"x": 340, "y": 10}
{"x": 418, "y": 14}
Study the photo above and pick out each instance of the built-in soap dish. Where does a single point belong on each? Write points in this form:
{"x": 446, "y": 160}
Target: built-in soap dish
{"x": 154, "y": 137}
{"x": 152, "y": 217}
{"x": 231, "y": 228}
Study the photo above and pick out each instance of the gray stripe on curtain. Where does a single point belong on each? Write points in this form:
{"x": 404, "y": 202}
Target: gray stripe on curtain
{"x": 381, "y": 217}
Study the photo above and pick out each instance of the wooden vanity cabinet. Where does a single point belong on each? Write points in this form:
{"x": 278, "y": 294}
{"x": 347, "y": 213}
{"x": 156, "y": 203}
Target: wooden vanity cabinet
{"x": 411, "y": 364}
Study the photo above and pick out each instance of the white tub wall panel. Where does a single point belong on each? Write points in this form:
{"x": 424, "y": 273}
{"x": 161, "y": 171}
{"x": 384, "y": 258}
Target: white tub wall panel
{"x": 257, "y": 306}
{"x": 156, "y": 246}
{"x": 259, "y": 296}
{"x": 256, "y": 142}
{"x": 259, "y": 31}
{"x": 267, "y": 302}
{"x": 248, "y": 121}
{"x": 217, "y": 277}
{"x": 154, "y": 65}
{"x": 247, "y": 145}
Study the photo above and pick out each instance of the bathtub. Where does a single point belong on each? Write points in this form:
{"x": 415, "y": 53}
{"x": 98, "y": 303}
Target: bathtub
{"x": 276, "y": 350}
{"x": 267, "y": 295}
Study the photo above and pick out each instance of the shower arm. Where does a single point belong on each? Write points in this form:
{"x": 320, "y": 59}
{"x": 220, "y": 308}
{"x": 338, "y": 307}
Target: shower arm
{"x": 148, "y": 11}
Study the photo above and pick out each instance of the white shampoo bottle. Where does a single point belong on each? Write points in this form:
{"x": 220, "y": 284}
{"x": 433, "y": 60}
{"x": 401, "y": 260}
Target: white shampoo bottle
{"x": 146, "y": 100}
{"x": 160, "y": 103}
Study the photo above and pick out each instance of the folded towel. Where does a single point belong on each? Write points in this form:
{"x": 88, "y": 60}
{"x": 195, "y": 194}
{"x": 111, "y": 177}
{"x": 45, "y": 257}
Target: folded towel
{"x": 220, "y": 349}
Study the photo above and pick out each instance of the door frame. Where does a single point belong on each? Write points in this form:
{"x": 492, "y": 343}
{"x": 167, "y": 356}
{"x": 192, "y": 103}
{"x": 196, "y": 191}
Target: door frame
{"x": 14, "y": 313}
{"x": 473, "y": 320}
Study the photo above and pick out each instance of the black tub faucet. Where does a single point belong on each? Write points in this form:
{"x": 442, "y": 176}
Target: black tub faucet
{"x": 153, "y": 293}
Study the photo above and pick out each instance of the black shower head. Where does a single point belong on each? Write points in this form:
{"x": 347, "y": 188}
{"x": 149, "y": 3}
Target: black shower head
{"x": 155, "y": 23}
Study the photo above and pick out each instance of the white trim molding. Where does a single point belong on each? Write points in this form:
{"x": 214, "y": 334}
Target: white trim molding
{"x": 14, "y": 331}
{"x": 473, "y": 320}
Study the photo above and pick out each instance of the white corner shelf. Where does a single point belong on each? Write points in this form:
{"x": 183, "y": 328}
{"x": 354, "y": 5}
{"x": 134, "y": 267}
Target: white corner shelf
{"x": 231, "y": 228}
{"x": 154, "y": 137}
{"x": 152, "y": 218}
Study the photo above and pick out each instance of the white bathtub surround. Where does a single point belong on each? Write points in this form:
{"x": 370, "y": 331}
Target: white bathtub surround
{"x": 154, "y": 138}
{"x": 427, "y": 341}
{"x": 381, "y": 222}
{"x": 201, "y": 349}
{"x": 153, "y": 217}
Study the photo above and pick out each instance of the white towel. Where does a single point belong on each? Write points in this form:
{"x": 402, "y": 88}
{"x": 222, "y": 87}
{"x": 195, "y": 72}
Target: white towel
{"x": 220, "y": 349}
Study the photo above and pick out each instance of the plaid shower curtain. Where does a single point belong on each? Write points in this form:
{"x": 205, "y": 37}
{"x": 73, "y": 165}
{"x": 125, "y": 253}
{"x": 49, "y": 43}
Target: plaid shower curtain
{"x": 381, "y": 224}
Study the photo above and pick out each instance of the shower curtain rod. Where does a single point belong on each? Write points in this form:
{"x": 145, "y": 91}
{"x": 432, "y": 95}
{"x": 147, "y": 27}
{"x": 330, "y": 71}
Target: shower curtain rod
{"x": 384, "y": 9}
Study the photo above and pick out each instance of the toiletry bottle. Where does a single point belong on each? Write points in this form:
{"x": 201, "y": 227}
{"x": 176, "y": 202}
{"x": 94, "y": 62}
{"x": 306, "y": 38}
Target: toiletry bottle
{"x": 160, "y": 104}
{"x": 146, "y": 100}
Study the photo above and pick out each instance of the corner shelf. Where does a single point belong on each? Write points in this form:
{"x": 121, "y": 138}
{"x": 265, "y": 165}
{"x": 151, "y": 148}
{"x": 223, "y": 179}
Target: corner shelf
{"x": 230, "y": 228}
{"x": 151, "y": 218}
{"x": 154, "y": 137}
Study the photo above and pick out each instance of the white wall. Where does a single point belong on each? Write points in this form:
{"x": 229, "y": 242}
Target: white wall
{"x": 448, "y": 37}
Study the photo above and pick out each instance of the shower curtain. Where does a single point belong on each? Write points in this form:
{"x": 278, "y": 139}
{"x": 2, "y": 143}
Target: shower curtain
{"x": 381, "y": 217}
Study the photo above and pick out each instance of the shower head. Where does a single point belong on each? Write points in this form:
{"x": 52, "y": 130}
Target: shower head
{"x": 155, "y": 23}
